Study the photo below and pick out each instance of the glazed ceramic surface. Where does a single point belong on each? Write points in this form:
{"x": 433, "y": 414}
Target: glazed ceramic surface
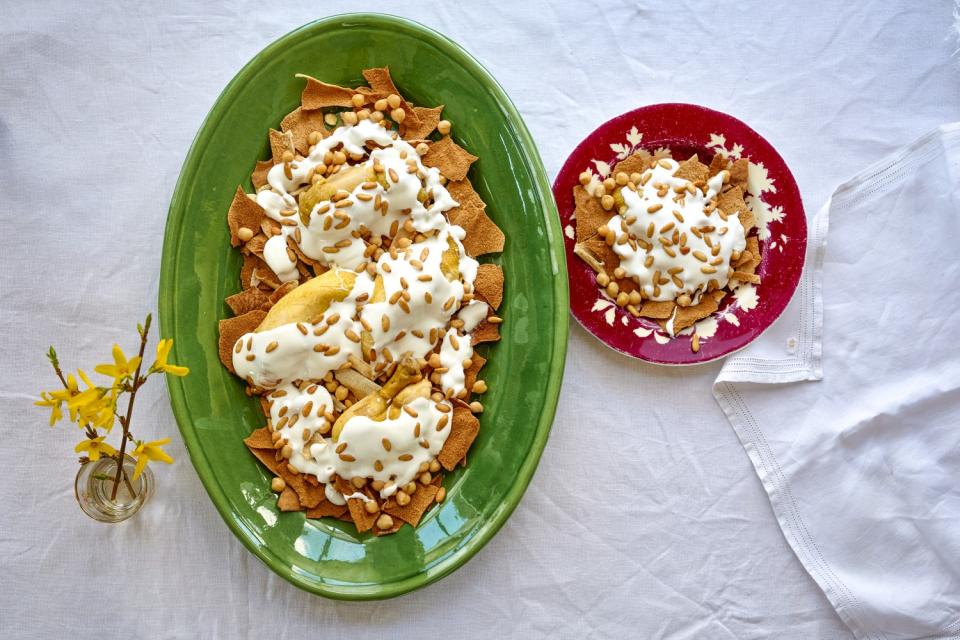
{"x": 687, "y": 129}
{"x": 200, "y": 268}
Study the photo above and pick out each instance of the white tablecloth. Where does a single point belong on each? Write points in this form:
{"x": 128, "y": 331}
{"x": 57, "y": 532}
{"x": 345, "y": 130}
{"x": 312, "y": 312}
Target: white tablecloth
{"x": 672, "y": 535}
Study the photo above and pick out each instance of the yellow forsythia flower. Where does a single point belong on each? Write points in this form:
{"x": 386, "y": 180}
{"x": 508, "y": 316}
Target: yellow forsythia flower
{"x": 121, "y": 367}
{"x": 95, "y": 447}
{"x": 48, "y": 400}
{"x": 149, "y": 451}
{"x": 163, "y": 350}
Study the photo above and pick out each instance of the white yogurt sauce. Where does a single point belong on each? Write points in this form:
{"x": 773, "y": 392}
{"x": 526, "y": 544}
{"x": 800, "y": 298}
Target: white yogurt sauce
{"x": 388, "y": 450}
{"x": 677, "y": 221}
{"x": 414, "y": 316}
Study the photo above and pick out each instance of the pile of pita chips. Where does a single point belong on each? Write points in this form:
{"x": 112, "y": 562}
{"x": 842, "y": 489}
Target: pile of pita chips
{"x": 324, "y": 107}
{"x": 672, "y": 316}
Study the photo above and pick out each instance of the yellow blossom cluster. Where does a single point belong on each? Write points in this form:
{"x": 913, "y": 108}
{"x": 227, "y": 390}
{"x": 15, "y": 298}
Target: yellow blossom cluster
{"x": 94, "y": 407}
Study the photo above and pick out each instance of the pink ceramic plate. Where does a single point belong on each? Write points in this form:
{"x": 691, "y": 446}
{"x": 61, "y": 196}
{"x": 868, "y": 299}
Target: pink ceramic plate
{"x": 772, "y": 196}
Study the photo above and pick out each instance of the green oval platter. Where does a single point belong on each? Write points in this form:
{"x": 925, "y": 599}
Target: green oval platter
{"x": 199, "y": 269}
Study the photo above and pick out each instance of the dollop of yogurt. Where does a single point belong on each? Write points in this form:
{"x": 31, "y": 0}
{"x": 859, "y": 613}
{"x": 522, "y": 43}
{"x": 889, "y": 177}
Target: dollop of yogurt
{"x": 670, "y": 236}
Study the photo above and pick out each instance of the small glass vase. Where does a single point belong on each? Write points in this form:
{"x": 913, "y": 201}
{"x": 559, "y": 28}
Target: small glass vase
{"x": 94, "y": 486}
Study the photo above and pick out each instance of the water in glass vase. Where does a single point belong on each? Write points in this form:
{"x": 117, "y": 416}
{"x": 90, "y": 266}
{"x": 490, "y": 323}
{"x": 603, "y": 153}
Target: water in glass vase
{"x": 94, "y": 489}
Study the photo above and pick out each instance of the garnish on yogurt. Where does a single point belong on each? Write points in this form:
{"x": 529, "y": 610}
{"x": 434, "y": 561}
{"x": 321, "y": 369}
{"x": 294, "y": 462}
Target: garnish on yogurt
{"x": 668, "y": 240}
{"x": 362, "y": 304}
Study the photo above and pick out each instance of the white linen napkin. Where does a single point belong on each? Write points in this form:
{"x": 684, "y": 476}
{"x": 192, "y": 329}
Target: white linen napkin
{"x": 863, "y": 468}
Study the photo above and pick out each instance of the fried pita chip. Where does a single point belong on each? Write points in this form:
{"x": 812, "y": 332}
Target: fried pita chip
{"x": 470, "y": 373}
{"x": 281, "y": 291}
{"x": 231, "y": 330}
{"x": 731, "y": 203}
{"x": 590, "y": 215}
{"x": 483, "y": 235}
{"x": 489, "y": 284}
{"x": 300, "y": 123}
{"x": 358, "y": 515}
{"x": 370, "y": 96}
{"x": 380, "y": 81}
{"x": 485, "y": 332}
{"x": 753, "y": 246}
{"x": 637, "y": 163}
{"x": 310, "y": 495}
{"x": 361, "y": 518}
{"x": 464, "y": 428}
{"x": 280, "y": 142}
{"x": 244, "y": 212}
{"x": 268, "y": 458}
{"x": 288, "y": 500}
{"x": 256, "y": 244}
{"x": 693, "y": 170}
{"x": 658, "y": 310}
{"x": 451, "y": 159}
{"x": 317, "y": 94}
{"x": 327, "y": 509}
{"x": 427, "y": 121}
{"x": 246, "y": 300}
{"x": 686, "y": 316}
{"x": 608, "y": 260}
{"x": 752, "y": 278}
{"x": 739, "y": 172}
{"x": 255, "y": 271}
{"x": 420, "y": 501}
{"x": 259, "y": 175}
{"x": 718, "y": 164}
{"x": 259, "y": 439}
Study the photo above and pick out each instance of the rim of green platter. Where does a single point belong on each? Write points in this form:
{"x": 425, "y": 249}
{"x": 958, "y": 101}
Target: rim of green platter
{"x": 199, "y": 269}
